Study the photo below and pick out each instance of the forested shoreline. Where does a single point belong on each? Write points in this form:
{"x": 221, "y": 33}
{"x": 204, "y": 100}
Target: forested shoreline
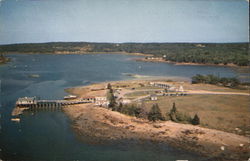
{"x": 204, "y": 53}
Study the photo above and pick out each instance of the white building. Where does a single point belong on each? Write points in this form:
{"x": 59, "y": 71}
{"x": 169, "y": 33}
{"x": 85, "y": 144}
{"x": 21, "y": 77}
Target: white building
{"x": 126, "y": 101}
{"x": 153, "y": 98}
{"x": 26, "y": 101}
{"x": 101, "y": 101}
{"x": 160, "y": 84}
{"x": 181, "y": 89}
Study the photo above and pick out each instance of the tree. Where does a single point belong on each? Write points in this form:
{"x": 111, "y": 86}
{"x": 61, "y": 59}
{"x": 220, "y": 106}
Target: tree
{"x": 172, "y": 113}
{"x": 155, "y": 113}
{"x": 109, "y": 86}
{"x": 198, "y": 78}
{"x": 143, "y": 113}
{"x": 196, "y": 120}
{"x": 119, "y": 108}
{"x": 178, "y": 116}
{"x": 173, "y": 108}
{"x": 212, "y": 79}
{"x": 132, "y": 110}
{"x": 112, "y": 102}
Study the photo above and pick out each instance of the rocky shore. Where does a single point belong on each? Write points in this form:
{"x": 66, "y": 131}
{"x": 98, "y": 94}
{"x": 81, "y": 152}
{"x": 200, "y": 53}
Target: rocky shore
{"x": 96, "y": 125}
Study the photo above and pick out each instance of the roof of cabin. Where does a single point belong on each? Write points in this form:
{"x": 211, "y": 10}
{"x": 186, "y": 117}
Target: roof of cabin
{"x": 26, "y": 99}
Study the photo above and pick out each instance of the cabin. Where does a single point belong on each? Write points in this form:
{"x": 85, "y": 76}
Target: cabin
{"x": 126, "y": 101}
{"x": 88, "y": 99}
{"x": 26, "y": 101}
{"x": 160, "y": 84}
{"x": 153, "y": 98}
{"x": 101, "y": 98}
{"x": 172, "y": 89}
{"x": 181, "y": 89}
{"x": 101, "y": 101}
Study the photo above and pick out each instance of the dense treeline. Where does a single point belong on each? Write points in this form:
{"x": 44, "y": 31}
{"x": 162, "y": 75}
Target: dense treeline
{"x": 207, "y": 53}
{"x": 212, "y": 79}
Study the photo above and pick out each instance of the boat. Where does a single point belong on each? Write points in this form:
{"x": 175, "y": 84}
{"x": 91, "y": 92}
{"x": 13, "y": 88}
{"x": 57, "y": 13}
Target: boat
{"x": 15, "y": 119}
{"x": 70, "y": 97}
{"x": 34, "y": 75}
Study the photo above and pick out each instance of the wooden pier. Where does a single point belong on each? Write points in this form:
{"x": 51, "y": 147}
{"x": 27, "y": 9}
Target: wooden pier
{"x": 31, "y": 103}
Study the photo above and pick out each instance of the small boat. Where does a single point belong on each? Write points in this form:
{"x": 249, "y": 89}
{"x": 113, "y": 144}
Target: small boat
{"x": 34, "y": 75}
{"x": 70, "y": 97}
{"x": 15, "y": 119}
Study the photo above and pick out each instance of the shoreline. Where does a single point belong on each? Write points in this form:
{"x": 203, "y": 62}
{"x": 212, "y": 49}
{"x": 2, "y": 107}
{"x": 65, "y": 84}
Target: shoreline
{"x": 80, "y": 53}
{"x": 183, "y": 63}
{"x": 133, "y": 54}
{"x": 98, "y": 124}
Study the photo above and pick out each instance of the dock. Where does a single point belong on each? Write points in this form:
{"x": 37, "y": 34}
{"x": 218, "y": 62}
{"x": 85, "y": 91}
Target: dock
{"x": 27, "y": 103}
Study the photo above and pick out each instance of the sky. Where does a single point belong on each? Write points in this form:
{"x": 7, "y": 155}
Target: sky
{"x": 33, "y": 21}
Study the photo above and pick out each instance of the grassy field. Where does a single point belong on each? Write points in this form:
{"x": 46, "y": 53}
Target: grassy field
{"x": 209, "y": 87}
{"x": 230, "y": 113}
{"x": 223, "y": 112}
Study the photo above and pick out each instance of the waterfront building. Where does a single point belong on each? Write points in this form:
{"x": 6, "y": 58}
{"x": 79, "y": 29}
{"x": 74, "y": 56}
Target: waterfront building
{"x": 26, "y": 101}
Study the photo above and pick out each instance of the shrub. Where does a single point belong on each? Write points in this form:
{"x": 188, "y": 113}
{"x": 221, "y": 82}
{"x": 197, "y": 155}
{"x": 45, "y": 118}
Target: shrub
{"x": 183, "y": 117}
{"x": 109, "y": 86}
{"x": 178, "y": 116}
{"x": 131, "y": 110}
{"x": 212, "y": 79}
{"x": 196, "y": 120}
{"x": 155, "y": 113}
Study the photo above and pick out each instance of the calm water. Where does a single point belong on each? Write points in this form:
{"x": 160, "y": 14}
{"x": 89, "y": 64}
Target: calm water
{"x": 47, "y": 136}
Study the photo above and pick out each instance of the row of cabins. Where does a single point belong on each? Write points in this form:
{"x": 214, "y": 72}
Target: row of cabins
{"x": 160, "y": 84}
{"x": 167, "y": 87}
{"x": 98, "y": 101}
{"x": 169, "y": 90}
{"x": 156, "y": 58}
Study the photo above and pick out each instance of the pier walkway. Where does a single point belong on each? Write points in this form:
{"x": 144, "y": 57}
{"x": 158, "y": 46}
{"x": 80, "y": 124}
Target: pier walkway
{"x": 28, "y": 103}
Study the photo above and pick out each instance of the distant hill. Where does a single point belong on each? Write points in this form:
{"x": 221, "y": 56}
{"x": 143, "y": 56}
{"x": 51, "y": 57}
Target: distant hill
{"x": 206, "y": 53}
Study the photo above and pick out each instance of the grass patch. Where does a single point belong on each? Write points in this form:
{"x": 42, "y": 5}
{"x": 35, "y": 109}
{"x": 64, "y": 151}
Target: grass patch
{"x": 223, "y": 112}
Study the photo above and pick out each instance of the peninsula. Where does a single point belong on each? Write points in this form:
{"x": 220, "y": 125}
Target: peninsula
{"x": 207, "y": 119}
